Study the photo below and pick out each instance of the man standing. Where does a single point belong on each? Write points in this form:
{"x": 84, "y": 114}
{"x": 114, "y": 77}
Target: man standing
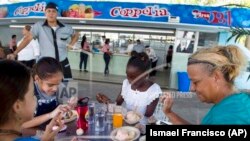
{"x": 139, "y": 48}
{"x": 153, "y": 59}
{"x": 52, "y": 36}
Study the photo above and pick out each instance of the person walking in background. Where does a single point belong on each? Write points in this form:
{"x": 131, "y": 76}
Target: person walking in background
{"x": 30, "y": 53}
{"x": 153, "y": 59}
{"x": 106, "y": 56}
{"x": 83, "y": 53}
{"x": 212, "y": 72}
{"x": 139, "y": 48}
{"x": 169, "y": 56}
{"x": 12, "y": 43}
{"x": 52, "y": 36}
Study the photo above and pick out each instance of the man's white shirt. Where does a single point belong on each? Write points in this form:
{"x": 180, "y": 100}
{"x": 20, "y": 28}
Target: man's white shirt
{"x": 31, "y": 51}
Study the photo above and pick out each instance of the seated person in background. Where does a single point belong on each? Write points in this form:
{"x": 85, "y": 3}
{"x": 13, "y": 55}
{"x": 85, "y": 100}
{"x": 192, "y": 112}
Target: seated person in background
{"x": 18, "y": 103}
{"x": 138, "y": 92}
{"x": 48, "y": 75}
{"x": 2, "y": 54}
{"x": 212, "y": 72}
{"x": 139, "y": 47}
{"x": 13, "y": 43}
{"x": 130, "y": 46}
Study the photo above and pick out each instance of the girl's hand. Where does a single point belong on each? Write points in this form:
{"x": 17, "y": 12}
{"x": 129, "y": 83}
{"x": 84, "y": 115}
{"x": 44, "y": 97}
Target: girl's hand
{"x": 59, "y": 109}
{"x": 72, "y": 102}
{"x": 49, "y": 133}
{"x": 167, "y": 101}
{"x": 101, "y": 98}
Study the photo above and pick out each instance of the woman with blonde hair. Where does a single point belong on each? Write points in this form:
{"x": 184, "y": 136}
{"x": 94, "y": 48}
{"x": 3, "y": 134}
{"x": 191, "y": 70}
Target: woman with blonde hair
{"x": 212, "y": 72}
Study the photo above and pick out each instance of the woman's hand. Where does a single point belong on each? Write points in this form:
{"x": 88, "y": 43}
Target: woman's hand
{"x": 167, "y": 101}
{"x": 49, "y": 133}
{"x": 74, "y": 139}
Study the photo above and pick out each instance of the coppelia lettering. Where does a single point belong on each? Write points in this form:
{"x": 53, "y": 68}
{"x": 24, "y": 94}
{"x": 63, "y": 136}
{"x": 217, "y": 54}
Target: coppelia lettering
{"x": 150, "y": 11}
{"x": 24, "y": 11}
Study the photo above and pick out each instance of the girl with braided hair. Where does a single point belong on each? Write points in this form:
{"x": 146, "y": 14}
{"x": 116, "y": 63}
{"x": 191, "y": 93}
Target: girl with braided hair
{"x": 137, "y": 91}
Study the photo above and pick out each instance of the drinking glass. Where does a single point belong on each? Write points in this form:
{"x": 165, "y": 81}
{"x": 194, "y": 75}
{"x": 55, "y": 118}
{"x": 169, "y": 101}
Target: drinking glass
{"x": 117, "y": 117}
{"x": 109, "y": 118}
{"x": 91, "y": 112}
{"x": 100, "y": 121}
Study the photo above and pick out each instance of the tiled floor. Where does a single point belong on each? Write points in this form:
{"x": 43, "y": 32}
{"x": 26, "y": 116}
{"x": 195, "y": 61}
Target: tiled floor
{"x": 162, "y": 77}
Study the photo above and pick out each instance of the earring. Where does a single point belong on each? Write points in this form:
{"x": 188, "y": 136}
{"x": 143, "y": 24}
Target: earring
{"x": 18, "y": 118}
{"x": 217, "y": 88}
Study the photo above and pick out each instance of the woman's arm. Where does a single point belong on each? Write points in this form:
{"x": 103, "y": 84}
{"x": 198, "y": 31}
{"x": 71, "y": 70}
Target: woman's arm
{"x": 37, "y": 121}
{"x": 167, "y": 101}
{"x": 45, "y": 117}
{"x": 176, "y": 119}
{"x": 151, "y": 108}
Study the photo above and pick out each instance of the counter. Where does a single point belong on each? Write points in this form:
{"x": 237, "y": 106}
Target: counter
{"x": 96, "y": 62}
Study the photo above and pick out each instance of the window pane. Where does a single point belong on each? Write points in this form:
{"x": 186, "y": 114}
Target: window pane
{"x": 158, "y": 41}
{"x": 82, "y": 33}
{"x": 97, "y": 39}
{"x": 143, "y": 38}
{"x": 207, "y": 39}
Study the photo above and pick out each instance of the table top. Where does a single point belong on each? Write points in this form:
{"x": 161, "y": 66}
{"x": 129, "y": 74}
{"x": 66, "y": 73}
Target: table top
{"x": 90, "y": 134}
{"x": 70, "y": 132}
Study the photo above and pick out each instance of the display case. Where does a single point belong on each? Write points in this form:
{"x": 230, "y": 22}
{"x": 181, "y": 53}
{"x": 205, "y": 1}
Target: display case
{"x": 97, "y": 39}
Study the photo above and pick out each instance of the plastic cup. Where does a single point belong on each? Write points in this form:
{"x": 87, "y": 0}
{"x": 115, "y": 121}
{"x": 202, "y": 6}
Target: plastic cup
{"x": 117, "y": 120}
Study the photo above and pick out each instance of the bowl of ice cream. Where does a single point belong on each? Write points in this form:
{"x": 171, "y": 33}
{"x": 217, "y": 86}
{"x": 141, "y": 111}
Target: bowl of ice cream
{"x": 132, "y": 117}
{"x": 125, "y": 133}
{"x": 70, "y": 116}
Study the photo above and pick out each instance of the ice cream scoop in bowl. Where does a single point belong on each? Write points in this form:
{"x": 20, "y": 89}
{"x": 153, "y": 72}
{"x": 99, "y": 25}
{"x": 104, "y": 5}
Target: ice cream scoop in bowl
{"x": 125, "y": 133}
{"x": 132, "y": 117}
